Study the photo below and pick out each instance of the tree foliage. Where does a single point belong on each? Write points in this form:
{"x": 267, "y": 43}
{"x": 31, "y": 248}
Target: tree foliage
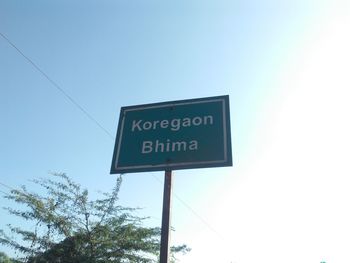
{"x": 4, "y": 258}
{"x": 68, "y": 227}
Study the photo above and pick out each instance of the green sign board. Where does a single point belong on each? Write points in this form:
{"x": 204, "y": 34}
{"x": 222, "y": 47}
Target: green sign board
{"x": 173, "y": 135}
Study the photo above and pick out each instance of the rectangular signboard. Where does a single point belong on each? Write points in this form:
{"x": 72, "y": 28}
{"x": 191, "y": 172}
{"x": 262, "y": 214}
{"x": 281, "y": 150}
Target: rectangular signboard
{"x": 173, "y": 135}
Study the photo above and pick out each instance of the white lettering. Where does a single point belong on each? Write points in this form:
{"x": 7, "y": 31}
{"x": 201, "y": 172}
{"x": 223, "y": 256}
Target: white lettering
{"x": 147, "y": 125}
{"x": 173, "y": 124}
{"x": 193, "y": 145}
{"x": 136, "y": 125}
{"x": 164, "y": 124}
{"x": 147, "y": 147}
{"x": 155, "y": 124}
{"x": 178, "y": 146}
{"x": 186, "y": 122}
{"x": 210, "y": 118}
{"x": 159, "y": 147}
{"x": 197, "y": 121}
{"x": 168, "y": 146}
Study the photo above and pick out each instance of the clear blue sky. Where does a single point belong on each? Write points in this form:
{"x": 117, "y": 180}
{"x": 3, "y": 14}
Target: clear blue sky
{"x": 285, "y": 65}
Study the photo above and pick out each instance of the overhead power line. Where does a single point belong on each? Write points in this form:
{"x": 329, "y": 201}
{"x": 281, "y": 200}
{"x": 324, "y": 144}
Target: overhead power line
{"x": 3, "y": 192}
{"x": 6, "y": 186}
{"x": 193, "y": 212}
{"x": 58, "y": 87}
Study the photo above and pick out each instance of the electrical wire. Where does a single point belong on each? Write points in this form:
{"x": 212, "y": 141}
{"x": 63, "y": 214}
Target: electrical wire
{"x": 58, "y": 87}
{"x": 193, "y": 212}
{"x": 3, "y": 192}
{"x": 6, "y": 186}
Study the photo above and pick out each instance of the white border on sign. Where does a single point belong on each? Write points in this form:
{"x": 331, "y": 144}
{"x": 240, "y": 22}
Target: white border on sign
{"x": 175, "y": 164}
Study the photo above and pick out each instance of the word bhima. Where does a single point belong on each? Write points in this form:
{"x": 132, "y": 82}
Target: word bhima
{"x": 168, "y": 146}
{"x": 173, "y": 125}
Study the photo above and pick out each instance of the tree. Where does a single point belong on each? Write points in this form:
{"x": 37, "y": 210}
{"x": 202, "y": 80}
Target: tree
{"x": 5, "y": 259}
{"x": 71, "y": 228}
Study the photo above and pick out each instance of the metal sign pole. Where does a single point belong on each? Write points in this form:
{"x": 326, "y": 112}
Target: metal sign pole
{"x": 165, "y": 231}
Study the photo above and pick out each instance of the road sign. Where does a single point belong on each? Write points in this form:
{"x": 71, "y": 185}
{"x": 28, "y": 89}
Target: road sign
{"x": 173, "y": 135}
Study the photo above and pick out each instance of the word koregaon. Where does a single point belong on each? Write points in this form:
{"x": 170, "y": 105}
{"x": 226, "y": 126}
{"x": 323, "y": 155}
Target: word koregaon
{"x": 174, "y": 125}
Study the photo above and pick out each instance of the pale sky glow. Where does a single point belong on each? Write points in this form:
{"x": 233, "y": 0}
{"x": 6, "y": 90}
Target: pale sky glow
{"x": 289, "y": 201}
{"x": 287, "y": 71}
